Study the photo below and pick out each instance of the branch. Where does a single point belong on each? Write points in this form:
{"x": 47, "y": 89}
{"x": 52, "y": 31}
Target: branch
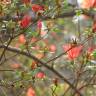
{"x": 19, "y": 51}
{"x": 63, "y": 15}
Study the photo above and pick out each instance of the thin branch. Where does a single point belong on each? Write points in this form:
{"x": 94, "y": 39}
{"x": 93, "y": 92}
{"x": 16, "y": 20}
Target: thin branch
{"x": 60, "y": 55}
{"x": 17, "y": 50}
{"x": 3, "y": 53}
{"x": 63, "y": 15}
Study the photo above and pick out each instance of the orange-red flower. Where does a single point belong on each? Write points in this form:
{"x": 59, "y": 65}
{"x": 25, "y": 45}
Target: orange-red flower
{"x": 31, "y": 92}
{"x": 40, "y": 75}
{"x": 52, "y": 48}
{"x": 88, "y": 4}
{"x": 25, "y": 21}
{"x": 74, "y": 52}
{"x": 22, "y": 39}
{"x": 37, "y": 8}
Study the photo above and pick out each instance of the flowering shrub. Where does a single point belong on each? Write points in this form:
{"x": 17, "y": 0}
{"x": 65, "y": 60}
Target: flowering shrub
{"x": 47, "y": 47}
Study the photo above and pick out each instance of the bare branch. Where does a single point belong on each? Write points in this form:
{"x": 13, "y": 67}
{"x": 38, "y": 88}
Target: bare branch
{"x": 19, "y": 51}
{"x": 63, "y": 15}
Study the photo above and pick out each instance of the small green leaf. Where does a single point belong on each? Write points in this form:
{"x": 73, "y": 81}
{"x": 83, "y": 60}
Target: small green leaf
{"x": 94, "y": 54}
{"x": 78, "y": 12}
{"x": 56, "y": 30}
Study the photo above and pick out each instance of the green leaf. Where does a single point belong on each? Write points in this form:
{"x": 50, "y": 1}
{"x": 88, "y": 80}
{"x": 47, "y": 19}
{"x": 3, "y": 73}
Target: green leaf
{"x": 56, "y": 30}
{"x": 94, "y": 54}
{"x": 78, "y": 12}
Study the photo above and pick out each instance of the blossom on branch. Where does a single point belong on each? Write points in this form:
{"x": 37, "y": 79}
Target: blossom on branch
{"x": 25, "y": 21}
{"x": 37, "y": 8}
{"x": 40, "y": 75}
{"x": 72, "y": 52}
{"x": 31, "y": 92}
{"x": 22, "y": 39}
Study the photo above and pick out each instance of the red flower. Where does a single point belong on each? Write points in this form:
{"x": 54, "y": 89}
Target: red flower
{"x": 52, "y": 48}
{"x": 22, "y": 39}
{"x": 31, "y": 92}
{"x": 89, "y": 4}
{"x": 26, "y": 1}
{"x": 74, "y": 52}
{"x": 37, "y": 8}
{"x": 40, "y": 75}
{"x": 25, "y": 21}
{"x": 39, "y": 24}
